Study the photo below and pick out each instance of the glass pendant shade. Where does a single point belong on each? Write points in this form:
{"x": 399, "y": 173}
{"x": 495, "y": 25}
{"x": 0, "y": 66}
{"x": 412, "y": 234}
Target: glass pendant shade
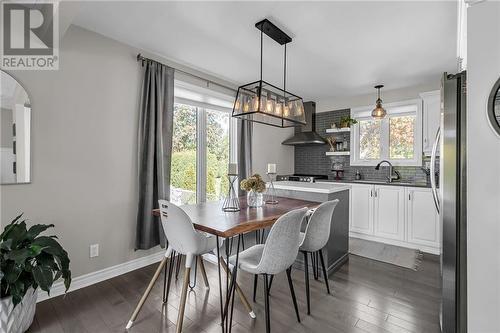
{"x": 264, "y": 103}
{"x": 379, "y": 112}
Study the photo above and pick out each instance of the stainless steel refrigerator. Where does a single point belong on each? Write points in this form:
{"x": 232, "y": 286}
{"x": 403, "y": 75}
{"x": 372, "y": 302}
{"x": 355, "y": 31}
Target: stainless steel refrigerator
{"x": 450, "y": 199}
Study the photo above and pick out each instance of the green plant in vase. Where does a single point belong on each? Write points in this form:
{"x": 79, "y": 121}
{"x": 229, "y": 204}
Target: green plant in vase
{"x": 347, "y": 121}
{"x": 28, "y": 261}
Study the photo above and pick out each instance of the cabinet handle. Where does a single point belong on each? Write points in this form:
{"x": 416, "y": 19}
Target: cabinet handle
{"x": 376, "y": 194}
{"x": 371, "y": 193}
{"x": 409, "y": 196}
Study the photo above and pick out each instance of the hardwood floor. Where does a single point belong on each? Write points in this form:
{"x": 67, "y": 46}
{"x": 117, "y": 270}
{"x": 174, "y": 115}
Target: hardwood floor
{"x": 367, "y": 296}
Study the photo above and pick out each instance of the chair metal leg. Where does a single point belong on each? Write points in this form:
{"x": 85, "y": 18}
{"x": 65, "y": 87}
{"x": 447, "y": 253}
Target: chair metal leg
{"x": 314, "y": 264}
{"x": 203, "y": 272}
{"x": 292, "y": 291}
{"x": 255, "y": 280}
{"x": 166, "y": 288}
{"x": 182, "y": 305}
{"x": 266, "y": 300}
{"x": 270, "y": 283}
{"x": 325, "y": 275}
{"x": 306, "y": 272}
{"x": 178, "y": 268}
{"x": 239, "y": 291}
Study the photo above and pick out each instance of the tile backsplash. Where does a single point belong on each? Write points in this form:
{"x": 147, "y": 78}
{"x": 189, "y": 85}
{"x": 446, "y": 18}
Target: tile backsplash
{"x": 312, "y": 159}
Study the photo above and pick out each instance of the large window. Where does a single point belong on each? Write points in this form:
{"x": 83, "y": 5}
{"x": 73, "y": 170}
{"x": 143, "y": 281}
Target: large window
{"x": 201, "y": 150}
{"x": 396, "y": 138}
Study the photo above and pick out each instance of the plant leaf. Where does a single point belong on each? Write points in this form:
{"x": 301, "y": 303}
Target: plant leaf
{"x": 11, "y": 225}
{"x": 37, "y": 229}
{"x": 43, "y": 277}
{"x": 6, "y": 245}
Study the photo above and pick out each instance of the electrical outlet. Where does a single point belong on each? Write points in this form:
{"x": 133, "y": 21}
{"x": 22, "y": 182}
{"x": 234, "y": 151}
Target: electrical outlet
{"x": 94, "y": 250}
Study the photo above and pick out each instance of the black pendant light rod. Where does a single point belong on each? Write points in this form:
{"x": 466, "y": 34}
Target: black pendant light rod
{"x": 284, "y": 72}
{"x": 261, "y": 52}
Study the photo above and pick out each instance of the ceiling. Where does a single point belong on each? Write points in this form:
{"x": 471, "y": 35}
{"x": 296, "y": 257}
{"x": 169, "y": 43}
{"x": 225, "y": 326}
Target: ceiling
{"x": 339, "y": 48}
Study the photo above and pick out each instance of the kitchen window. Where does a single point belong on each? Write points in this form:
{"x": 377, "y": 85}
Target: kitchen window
{"x": 396, "y": 138}
{"x": 201, "y": 145}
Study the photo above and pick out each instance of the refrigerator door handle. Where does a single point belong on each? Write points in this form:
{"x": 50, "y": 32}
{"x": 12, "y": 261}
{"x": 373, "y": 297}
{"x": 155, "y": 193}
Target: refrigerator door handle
{"x": 433, "y": 170}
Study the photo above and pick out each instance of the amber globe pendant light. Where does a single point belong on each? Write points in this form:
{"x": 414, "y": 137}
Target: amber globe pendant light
{"x": 379, "y": 112}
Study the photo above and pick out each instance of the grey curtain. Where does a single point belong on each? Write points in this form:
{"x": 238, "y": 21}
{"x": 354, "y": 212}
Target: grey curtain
{"x": 154, "y": 150}
{"x": 244, "y": 151}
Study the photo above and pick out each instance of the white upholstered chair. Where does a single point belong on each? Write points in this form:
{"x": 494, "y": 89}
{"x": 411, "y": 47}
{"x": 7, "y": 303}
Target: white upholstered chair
{"x": 276, "y": 255}
{"x": 315, "y": 238}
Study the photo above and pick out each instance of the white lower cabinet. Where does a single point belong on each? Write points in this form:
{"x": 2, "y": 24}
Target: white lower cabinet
{"x": 362, "y": 211}
{"x": 397, "y": 215}
{"x": 422, "y": 218}
{"x": 389, "y": 212}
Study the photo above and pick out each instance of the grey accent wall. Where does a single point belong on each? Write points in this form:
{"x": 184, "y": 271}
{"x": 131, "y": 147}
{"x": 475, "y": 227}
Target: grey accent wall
{"x": 267, "y": 148}
{"x": 84, "y": 140}
{"x": 312, "y": 159}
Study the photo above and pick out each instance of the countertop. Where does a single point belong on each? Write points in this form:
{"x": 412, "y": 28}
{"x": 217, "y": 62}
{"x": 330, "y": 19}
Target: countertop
{"x": 324, "y": 187}
{"x": 376, "y": 182}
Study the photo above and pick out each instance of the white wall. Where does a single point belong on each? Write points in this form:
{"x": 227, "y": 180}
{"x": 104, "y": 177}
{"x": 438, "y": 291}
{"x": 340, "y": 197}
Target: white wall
{"x": 387, "y": 95}
{"x": 483, "y": 192}
{"x": 84, "y": 133}
{"x": 267, "y": 148}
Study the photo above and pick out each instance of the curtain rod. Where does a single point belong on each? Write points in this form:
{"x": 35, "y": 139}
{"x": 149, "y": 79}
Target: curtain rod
{"x": 140, "y": 57}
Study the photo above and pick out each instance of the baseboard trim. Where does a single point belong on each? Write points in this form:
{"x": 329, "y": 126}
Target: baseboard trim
{"x": 101, "y": 275}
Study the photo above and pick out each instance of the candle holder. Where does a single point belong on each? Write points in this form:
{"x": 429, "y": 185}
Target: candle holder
{"x": 231, "y": 202}
{"x": 271, "y": 192}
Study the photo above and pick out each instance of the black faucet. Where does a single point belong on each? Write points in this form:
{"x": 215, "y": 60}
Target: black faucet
{"x": 390, "y": 178}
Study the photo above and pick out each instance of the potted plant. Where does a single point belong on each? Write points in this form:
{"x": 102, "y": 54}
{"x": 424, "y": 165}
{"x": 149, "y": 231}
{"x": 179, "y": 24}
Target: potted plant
{"x": 28, "y": 262}
{"x": 254, "y": 186}
{"x": 347, "y": 121}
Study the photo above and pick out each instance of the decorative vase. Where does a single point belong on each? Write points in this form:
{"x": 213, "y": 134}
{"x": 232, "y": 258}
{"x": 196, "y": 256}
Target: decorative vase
{"x": 17, "y": 319}
{"x": 255, "y": 199}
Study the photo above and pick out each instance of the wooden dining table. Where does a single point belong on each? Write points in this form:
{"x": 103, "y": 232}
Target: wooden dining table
{"x": 210, "y": 218}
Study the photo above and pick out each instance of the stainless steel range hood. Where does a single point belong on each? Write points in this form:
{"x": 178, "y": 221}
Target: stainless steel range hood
{"x": 306, "y": 135}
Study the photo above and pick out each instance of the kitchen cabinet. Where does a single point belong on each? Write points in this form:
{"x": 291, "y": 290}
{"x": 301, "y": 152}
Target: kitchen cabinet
{"x": 431, "y": 106}
{"x": 389, "y": 212}
{"x": 422, "y": 218}
{"x": 397, "y": 215}
{"x": 362, "y": 211}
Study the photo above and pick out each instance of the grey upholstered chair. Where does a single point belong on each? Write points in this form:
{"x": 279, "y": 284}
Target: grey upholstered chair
{"x": 314, "y": 239}
{"x": 276, "y": 255}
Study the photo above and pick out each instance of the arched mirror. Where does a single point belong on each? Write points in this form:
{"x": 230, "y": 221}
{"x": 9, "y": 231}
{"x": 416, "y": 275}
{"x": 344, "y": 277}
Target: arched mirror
{"x": 15, "y": 132}
{"x": 494, "y": 107}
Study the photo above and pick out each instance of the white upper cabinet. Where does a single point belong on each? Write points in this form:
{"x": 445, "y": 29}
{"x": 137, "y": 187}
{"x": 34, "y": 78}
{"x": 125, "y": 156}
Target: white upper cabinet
{"x": 431, "y": 110}
{"x": 362, "y": 208}
{"x": 422, "y": 217}
{"x": 389, "y": 212}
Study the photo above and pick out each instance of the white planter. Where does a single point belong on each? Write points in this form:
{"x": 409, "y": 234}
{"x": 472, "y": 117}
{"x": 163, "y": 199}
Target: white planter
{"x": 17, "y": 319}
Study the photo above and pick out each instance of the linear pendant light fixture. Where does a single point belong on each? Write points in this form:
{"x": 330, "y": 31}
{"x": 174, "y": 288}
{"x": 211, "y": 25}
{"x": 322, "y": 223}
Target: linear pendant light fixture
{"x": 263, "y": 102}
{"x": 379, "y": 112}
